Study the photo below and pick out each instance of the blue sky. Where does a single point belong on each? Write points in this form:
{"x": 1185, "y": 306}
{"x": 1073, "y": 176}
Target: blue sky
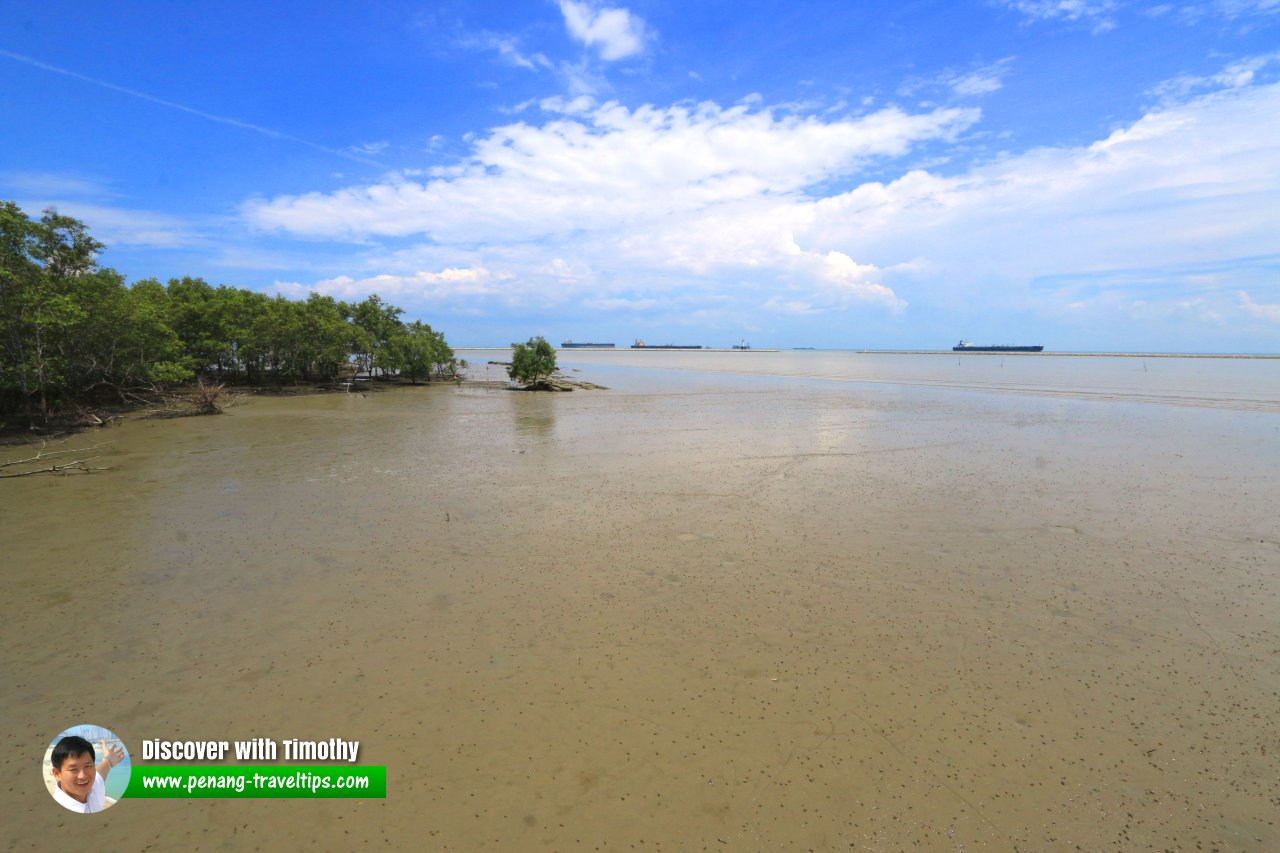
{"x": 1085, "y": 174}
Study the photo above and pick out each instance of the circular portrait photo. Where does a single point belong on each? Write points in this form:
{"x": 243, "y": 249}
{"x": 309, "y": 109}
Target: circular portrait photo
{"x": 86, "y": 769}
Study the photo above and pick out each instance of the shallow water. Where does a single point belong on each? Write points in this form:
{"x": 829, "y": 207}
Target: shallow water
{"x": 1245, "y": 383}
{"x": 700, "y": 609}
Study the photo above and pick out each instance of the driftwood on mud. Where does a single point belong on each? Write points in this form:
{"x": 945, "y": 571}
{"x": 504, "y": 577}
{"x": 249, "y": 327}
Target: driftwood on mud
{"x": 204, "y": 400}
{"x": 41, "y": 463}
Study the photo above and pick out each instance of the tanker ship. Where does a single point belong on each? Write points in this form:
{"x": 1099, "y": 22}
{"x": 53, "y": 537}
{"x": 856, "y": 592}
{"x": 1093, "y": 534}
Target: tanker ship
{"x": 965, "y": 346}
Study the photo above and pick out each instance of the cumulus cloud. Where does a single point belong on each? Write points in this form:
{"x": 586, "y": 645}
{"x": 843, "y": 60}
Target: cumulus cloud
{"x": 1183, "y": 183}
{"x": 683, "y": 187}
{"x": 1262, "y": 312}
{"x": 616, "y": 33}
{"x": 597, "y": 166}
{"x": 857, "y": 280}
{"x": 624, "y": 206}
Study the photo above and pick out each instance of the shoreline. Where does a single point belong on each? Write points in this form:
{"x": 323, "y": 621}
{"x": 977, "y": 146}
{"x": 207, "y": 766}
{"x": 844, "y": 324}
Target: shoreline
{"x": 1261, "y": 356}
{"x": 1075, "y": 354}
{"x": 621, "y": 349}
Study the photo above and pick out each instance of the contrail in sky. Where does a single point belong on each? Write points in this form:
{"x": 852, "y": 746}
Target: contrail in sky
{"x": 265, "y": 131}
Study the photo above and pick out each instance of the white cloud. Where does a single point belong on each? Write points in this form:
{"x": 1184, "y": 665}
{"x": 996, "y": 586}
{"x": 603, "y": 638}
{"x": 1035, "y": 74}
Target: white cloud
{"x": 1239, "y": 8}
{"x": 420, "y": 287}
{"x": 976, "y": 84}
{"x": 566, "y": 270}
{"x": 983, "y": 81}
{"x": 1098, "y": 12}
{"x": 599, "y": 166}
{"x": 616, "y": 32}
{"x": 638, "y": 305}
{"x": 368, "y": 149}
{"x": 860, "y": 281}
{"x": 1196, "y": 180}
{"x": 682, "y": 188}
{"x": 54, "y": 185}
{"x": 508, "y": 47}
{"x": 979, "y": 81}
{"x": 118, "y": 226}
{"x": 601, "y": 202}
{"x": 581, "y": 79}
{"x": 1270, "y": 313}
{"x": 797, "y": 308}
{"x": 1242, "y": 72}
{"x": 1101, "y": 13}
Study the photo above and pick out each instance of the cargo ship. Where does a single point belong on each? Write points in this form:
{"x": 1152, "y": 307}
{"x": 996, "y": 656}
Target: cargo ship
{"x": 639, "y": 344}
{"x": 572, "y": 345}
{"x": 965, "y": 346}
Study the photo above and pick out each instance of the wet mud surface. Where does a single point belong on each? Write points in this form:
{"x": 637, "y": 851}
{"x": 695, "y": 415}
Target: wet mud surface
{"x": 690, "y": 612}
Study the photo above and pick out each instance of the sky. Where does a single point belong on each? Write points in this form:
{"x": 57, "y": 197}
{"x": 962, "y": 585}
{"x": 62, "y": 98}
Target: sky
{"x": 1082, "y": 174}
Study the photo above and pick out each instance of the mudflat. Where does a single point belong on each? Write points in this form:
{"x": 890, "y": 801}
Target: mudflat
{"x": 693, "y": 611}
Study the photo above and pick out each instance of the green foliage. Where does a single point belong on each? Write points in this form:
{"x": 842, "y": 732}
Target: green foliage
{"x": 419, "y": 352}
{"x": 532, "y": 361}
{"x": 323, "y": 342}
{"x": 125, "y": 344}
{"x": 73, "y": 333}
{"x": 380, "y": 323}
{"x": 51, "y": 297}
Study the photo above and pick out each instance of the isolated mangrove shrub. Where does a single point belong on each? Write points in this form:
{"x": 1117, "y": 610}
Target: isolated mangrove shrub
{"x": 532, "y": 362}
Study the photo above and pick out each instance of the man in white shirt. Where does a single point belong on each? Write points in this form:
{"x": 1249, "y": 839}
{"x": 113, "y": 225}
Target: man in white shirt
{"x": 80, "y": 786}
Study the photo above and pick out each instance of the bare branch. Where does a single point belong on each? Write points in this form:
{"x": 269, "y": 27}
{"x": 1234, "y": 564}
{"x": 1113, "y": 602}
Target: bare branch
{"x": 205, "y": 400}
{"x": 80, "y": 464}
{"x": 42, "y": 454}
{"x": 77, "y": 465}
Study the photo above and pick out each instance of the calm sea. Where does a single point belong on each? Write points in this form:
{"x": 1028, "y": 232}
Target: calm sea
{"x": 1248, "y": 384}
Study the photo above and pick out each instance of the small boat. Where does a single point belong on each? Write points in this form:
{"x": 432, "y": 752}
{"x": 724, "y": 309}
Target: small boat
{"x": 743, "y": 345}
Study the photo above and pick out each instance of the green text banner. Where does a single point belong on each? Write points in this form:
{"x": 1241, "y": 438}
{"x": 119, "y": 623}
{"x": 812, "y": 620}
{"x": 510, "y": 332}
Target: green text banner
{"x": 253, "y": 782}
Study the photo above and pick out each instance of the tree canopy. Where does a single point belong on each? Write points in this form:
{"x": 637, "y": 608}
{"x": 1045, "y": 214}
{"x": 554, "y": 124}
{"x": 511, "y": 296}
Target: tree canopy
{"x": 532, "y": 362}
{"x": 73, "y": 333}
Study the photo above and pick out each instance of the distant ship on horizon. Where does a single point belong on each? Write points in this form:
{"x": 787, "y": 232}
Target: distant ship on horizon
{"x": 572, "y": 345}
{"x": 639, "y": 344}
{"x": 966, "y": 346}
